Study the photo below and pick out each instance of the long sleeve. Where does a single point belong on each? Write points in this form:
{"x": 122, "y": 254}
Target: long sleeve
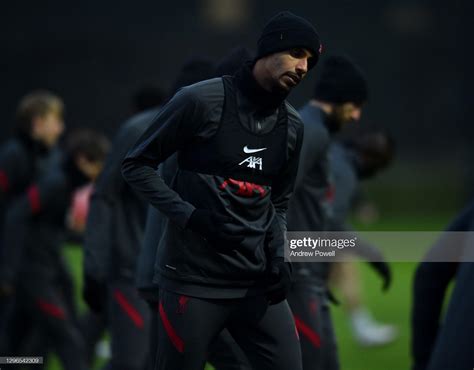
{"x": 430, "y": 284}
{"x": 13, "y": 171}
{"x": 97, "y": 237}
{"x": 107, "y": 194}
{"x": 281, "y": 193}
{"x": 174, "y": 127}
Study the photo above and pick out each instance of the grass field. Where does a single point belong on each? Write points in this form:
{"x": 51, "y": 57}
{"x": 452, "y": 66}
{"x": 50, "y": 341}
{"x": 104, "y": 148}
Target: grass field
{"x": 391, "y": 307}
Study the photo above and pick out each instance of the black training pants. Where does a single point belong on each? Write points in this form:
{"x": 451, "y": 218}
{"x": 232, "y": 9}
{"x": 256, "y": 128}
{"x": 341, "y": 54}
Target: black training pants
{"x": 128, "y": 321}
{"x": 188, "y": 327}
{"x": 310, "y": 308}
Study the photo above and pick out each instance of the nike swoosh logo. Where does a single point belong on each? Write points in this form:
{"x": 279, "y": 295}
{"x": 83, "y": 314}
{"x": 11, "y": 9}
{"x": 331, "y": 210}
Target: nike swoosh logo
{"x": 250, "y": 151}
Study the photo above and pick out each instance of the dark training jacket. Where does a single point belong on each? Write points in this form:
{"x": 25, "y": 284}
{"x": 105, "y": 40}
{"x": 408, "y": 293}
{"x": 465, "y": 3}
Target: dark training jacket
{"x": 22, "y": 160}
{"x": 155, "y": 223}
{"x": 309, "y": 209}
{"x": 431, "y": 283}
{"x": 116, "y": 219}
{"x": 233, "y": 159}
{"x": 35, "y": 226}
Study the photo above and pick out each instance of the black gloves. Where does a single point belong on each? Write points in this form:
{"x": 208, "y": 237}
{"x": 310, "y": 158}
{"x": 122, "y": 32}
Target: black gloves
{"x": 94, "y": 293}
{"x": 384, "y": 271}
{"x": 214, "y": 227}
{"x": 279, "y": 280}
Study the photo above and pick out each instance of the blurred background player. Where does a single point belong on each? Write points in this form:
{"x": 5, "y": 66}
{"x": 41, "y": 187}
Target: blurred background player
{"x": 439, "y": 342}
{"x": 24, "y": 157}
{"x": 114, "y": 236}
{"x": 339, "y": 93}
{"x": 34, "y": 235}
{"x": 359, "y": 158}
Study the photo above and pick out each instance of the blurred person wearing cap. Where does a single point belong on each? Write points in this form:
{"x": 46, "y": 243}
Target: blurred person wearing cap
{"x": 113, "y": 263}
{"x": 24, "y": 157}
{"x": 34, "y": 234}
{"x": 220, "y": 258}
{"x": 339, "y": 93}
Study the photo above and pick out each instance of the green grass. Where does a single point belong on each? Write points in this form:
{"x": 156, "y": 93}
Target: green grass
{"x": 391, "y": 307}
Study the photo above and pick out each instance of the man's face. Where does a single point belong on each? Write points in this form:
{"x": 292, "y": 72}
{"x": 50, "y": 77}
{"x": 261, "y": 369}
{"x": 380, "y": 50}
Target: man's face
{"x": 47, "y": 129}
{"x": 286, "y": 69}
{"x": 342, "y": 114}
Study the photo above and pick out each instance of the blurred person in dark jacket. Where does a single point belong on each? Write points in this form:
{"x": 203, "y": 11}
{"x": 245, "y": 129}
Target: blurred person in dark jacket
{"x": 439, "y": 342}
{"x": 339, "y": 94}
{"x": 23, "y": 158}
{"x": 359, "y": 158}
{"x": 34, "y": 234}
{"x": 114, "y": 235}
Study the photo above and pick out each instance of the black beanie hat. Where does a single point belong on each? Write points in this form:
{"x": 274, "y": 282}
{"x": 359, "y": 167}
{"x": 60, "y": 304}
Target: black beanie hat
{"x": 286, "y": 31}
{"x": 341, "y": 81}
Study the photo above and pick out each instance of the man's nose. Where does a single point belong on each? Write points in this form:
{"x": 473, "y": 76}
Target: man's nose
{"x": 302, "y": 66}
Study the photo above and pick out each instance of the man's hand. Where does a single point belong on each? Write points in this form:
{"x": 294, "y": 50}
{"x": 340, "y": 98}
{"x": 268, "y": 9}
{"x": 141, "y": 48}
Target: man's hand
{"x": 94, "y": 293}
{"x": 214, "y": 227}
{"x": 384, "y": 271}
{"x": 279, "y": 280}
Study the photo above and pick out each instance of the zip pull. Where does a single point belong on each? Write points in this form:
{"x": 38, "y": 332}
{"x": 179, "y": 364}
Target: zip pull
{"x": 259, "y": 127}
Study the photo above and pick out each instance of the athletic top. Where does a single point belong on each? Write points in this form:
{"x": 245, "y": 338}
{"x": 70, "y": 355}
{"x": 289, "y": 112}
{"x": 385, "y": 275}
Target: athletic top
{"x": 343, "y": 187}
{"x": 35, "y": 224}
{"x": 116, "y": 219}
{"x": 22, "y": 160}
{"x": 430, "y": 285}
{"x": 235, "y": 157}
{"x": 309, "y": 208}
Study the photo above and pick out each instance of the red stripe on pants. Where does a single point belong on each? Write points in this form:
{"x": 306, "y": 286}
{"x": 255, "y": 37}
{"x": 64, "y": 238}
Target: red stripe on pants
{"x": 4, "y": 183}
{"x": 309, "y": 333}
{"x": 51, "y": 309}
{"x": 34, "y": 198}
{"x": 174, "y": 337}
{"x": 131, "y": 312}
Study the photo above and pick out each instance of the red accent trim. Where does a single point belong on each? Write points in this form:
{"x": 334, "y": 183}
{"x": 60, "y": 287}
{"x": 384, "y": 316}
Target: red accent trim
{"x": 34, "y": 198}
{"x": 224, "y": 185}
{"x": 51, "y": 309}
{"x": 330, "y": 193}
{"x": 183, "y": 301}
{"x": 309, "y": 333}
{"x": 244, "y": 189}
{"x": 175, "y": 339}
{"x": 4, "y": 183}
{"x": 129, "y": 309}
